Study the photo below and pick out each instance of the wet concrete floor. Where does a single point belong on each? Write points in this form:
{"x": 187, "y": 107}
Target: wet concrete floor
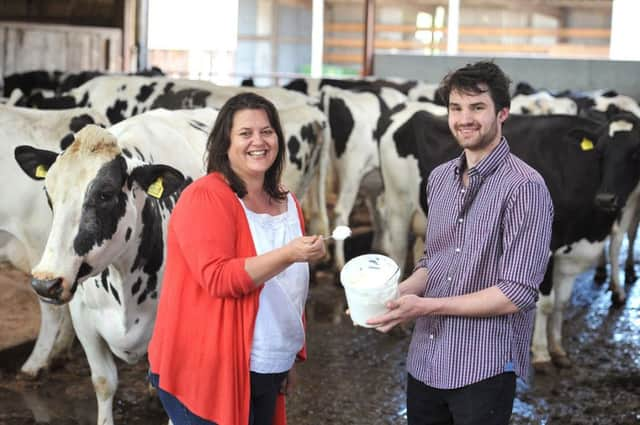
{"x": 357, "y": 376}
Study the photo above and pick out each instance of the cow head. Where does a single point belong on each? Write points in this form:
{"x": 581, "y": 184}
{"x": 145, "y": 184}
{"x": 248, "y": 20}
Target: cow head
{"x": 620, "y": 150}
{"x": 97, "y": 196}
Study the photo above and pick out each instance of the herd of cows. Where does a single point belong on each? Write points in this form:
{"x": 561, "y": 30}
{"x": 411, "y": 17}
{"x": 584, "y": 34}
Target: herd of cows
{"x": 94, "y": 168}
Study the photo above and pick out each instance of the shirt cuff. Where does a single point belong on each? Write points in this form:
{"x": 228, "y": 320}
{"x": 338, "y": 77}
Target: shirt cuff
{"x": 522, "y": 296}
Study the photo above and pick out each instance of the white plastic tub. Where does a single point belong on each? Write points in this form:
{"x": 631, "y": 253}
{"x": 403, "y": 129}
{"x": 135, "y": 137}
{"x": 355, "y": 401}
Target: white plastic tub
{"x": 370, "y": 281}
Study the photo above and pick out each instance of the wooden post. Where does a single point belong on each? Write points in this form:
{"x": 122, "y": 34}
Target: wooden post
{"x": 369, "y": 35}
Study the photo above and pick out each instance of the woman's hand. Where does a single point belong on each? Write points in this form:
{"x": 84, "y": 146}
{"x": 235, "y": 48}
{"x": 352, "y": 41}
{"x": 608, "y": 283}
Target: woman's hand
{"x": 306, "y": 249}
{"x": 289, "y": 381}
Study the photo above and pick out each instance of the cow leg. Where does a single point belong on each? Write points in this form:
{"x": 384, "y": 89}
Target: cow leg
{"x": 54, "y": 339}
{"x": 350, "y": 177}
{"x": 317, "y": 194}
{"x": 629, "y": 269}
{"x": 562, "y": 286}
{"x": 371, "y": 189}
{"x": 396, "y": 237}
{"x": 617, "y": 234}
{"x": 104, "y": 374}
{"x": 600, "y": 276}
{"x": 540, "y": 357}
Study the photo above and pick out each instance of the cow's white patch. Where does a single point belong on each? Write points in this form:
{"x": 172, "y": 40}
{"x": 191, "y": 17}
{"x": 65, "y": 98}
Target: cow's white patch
{"x": 619, "y": 125}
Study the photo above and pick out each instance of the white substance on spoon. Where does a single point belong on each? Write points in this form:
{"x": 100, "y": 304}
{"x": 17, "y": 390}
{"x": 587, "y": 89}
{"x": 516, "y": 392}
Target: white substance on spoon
{"x": 341, "y": 233}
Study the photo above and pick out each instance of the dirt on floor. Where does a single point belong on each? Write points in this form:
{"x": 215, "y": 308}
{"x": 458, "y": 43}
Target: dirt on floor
{"x": 353, "y": 375}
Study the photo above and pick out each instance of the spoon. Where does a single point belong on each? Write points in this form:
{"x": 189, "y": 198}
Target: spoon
{"x": 340, "y": 233}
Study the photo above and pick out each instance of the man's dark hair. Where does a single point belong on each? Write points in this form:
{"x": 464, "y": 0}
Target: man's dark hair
{"x": 220, "y": 140}
{"x": 471, "y": 78}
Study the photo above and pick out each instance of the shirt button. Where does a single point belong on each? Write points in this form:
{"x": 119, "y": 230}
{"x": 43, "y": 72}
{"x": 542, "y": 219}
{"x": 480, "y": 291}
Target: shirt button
{"x": 462, "y": 190}
{"x": 460, "y": 220}
{"x": 449, "y": 278}
{"x": 431, "y": 336}
{"x": 457, "y": 249}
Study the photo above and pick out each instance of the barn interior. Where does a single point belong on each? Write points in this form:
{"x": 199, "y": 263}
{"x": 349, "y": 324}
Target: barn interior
{"x": 574, "y": 49}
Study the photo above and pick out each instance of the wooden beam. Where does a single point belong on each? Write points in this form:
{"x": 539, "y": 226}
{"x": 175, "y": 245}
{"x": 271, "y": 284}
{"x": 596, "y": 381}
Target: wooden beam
{"x": 369, "y": 34}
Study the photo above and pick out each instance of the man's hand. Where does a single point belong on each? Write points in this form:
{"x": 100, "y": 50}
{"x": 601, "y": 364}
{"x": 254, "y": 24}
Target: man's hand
{"x": 403, "y": 309}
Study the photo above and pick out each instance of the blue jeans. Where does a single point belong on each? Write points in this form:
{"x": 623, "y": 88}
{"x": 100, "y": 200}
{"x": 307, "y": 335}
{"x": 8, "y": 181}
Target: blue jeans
{"x": 177, "y": 412}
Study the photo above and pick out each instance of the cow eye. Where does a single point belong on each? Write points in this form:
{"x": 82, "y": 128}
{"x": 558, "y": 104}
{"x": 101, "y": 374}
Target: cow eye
{"x": 105, "y": 196}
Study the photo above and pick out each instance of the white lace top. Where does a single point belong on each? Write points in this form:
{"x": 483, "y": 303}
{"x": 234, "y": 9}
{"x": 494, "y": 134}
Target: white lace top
{"x": 278, "y": 333}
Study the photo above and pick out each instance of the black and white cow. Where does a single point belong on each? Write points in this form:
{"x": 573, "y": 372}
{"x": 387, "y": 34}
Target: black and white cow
{"x": 583, "y": 163}
{"x": 598, "y": 105}
{"x": 56, "y": 82}
{"x": 25, "y": 219}
{"x": 413, "y": 89}
{"x": 111, "y": 193}
{"x": 304, "y": 125}
{"x": 542, "y": 103}
{"x": 122, "y": 96}
{"x": 353, "y": 120}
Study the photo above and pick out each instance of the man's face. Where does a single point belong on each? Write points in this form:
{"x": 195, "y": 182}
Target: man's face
{"x": 473, "y": 120}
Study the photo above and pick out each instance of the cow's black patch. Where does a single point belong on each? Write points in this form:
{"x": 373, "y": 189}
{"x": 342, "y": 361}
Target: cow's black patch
{"x": 39, "y": 101}
{"x": 145, "y": 92}
{"x": 66, "y": 141}
{"x": 140, "y": 154}
{"x": 384, "y": 120}
{"x": 199, "y": 125}
{"x": 293, "y": 147}
{"x": 115, "y": 294}
{"x": 85, "y": 100}
{"x": 151, "y": 249}
{"x": 134, "y": 111}
{"x": 48, "y": 199}
{"x": 524, "y": 88}
{"x": 136, "y": 286}
{"x": 85, "y": 270}
{"x": 115, "y": 113}
{"x": 384, "y": 111}
{"x": 104, "y": 278}
{"x": 341, "y": 124}
{"x": 104, "y": 205}
{"x": 122, "y": 87}
{"x": 298, "y": 84}
{"x": 127, "y": 235}
{"x": 79, "y": 122}
{"x": 181, "y": 99}
{"x": 126, "y": 152}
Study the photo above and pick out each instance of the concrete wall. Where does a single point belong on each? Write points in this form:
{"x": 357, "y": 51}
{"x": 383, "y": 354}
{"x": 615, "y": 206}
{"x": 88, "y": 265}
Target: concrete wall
{"x": 554, "y": 74}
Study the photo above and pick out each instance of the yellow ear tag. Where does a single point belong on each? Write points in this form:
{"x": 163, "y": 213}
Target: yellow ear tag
{"x": 586, "y": 144}
{"x": 156, "y": 188}
{"x": 41, "y": 171}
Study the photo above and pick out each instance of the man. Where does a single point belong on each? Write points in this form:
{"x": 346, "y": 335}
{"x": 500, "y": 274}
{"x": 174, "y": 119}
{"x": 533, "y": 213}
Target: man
{"x": 473, "y": 292}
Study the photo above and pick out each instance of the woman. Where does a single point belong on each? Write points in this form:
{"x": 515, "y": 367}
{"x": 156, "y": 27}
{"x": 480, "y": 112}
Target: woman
{"x": 229, "y": 325}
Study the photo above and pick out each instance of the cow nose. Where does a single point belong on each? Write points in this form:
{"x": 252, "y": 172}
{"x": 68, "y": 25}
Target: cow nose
{"x": 606, "y": 201}
{"x": 49, "y": 289}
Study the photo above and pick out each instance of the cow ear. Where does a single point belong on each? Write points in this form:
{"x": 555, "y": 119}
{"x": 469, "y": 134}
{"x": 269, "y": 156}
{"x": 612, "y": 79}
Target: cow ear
{"x": 34, "y": 162}
{"x": 157, "y": 180}
{"x": 585, "y": 140}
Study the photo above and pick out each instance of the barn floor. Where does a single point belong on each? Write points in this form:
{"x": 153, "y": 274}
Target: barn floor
{"x": 354, "y": 375}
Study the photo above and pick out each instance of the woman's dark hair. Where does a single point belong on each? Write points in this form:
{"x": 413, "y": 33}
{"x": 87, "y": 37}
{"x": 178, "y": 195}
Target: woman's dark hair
{"x": 471, "y": 79}
{"x": 220, "y": 140}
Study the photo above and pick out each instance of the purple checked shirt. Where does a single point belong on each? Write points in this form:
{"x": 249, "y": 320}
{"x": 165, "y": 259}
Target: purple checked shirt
{"x": 495, "y": 232}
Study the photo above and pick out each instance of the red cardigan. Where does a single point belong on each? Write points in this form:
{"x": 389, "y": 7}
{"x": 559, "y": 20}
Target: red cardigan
{"x": 201, "y": 344}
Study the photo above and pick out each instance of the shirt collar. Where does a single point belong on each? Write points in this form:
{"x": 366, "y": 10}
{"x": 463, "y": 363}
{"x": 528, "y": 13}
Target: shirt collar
{"x": 488, "y": 164}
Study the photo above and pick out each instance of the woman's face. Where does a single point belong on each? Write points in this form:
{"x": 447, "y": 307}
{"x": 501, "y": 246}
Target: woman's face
{"x": 254, "y": 144}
